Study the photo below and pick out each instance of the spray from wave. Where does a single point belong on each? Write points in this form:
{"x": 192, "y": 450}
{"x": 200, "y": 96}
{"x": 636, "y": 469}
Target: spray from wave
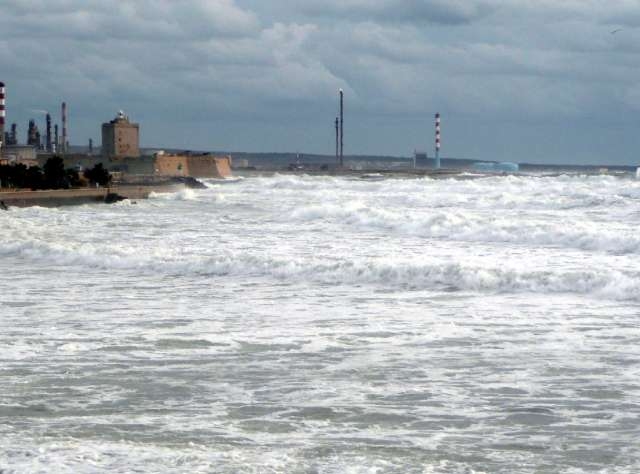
{"x": 183, "y": 195}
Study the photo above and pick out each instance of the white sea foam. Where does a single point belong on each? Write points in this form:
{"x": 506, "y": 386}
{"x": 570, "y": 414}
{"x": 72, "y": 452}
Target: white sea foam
{"x": 216, "y": 183}
{"x": 400, "y": 273}
{"x": 183, "y": 195}
{"x": 465, "y": 226}
{"x": 310, "y": 324}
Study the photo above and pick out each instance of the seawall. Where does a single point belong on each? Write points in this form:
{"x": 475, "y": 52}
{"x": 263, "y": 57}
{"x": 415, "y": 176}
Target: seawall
{"x": 67, "y": 197}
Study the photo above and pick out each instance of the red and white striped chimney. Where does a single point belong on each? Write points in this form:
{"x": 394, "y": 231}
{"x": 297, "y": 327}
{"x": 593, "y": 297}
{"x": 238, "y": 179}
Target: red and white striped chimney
{"x": 438, "y": 141}
{"x": 3, "y": 114}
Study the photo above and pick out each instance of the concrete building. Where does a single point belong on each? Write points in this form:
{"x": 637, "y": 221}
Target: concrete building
{"x": 20, "y": 154}
{"x": 121, "y": 138}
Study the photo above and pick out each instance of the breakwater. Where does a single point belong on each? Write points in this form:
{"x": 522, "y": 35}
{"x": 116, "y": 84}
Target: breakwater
{"x": 67, "y": 197}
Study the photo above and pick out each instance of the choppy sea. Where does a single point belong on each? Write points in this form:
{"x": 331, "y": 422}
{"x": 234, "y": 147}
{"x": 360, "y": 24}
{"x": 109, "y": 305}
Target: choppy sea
{"x": 295, "y": 324}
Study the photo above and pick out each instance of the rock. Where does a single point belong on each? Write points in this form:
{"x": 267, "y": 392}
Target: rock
{"x": 111, "y": 198}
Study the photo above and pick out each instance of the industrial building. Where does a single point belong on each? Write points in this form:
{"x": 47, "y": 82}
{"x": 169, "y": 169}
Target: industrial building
{"x": 120, "y": 150}
{"x": 20, "y": 154}
{"x": 11, "y": 138}
{"x": 63, "y": 146}
{"x": 421, "y": 159}
{"x": 33, "y": 135}
{"x": 121, "y": 138}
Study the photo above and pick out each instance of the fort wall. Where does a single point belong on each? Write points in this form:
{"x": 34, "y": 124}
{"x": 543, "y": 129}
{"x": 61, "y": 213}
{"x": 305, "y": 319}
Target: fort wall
{"x": 195, "y": 166}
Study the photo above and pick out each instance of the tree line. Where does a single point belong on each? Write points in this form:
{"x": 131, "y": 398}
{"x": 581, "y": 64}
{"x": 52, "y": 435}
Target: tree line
{"x": 53, "y": 175}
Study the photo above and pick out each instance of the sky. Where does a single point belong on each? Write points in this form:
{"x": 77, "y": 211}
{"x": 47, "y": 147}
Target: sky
{"x": 541, "y": 81}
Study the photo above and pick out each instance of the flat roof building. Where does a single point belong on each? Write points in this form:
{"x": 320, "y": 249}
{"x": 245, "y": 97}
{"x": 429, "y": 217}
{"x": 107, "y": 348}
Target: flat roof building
{"x": 121, "y": 138}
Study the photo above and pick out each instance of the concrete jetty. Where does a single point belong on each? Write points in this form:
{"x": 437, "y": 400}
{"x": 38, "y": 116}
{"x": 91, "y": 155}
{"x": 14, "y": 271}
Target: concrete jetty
{"x": 66, "y": 197}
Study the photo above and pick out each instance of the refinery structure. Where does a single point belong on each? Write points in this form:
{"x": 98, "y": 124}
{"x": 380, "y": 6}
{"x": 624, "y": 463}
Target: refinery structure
{"x": 36, "y": 143}
{"x": 120, "y": 151}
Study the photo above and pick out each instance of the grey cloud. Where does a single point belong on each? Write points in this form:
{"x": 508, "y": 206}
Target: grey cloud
{"x": 449, "y": 12}
{"x": 157, "y": 20}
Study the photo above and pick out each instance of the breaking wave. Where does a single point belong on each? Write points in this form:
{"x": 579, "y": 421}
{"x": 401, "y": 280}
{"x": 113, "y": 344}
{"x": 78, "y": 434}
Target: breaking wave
{"x": 468, "y": 227}
{"x": 428, "y": 275}
{"x": 183, "y": 195}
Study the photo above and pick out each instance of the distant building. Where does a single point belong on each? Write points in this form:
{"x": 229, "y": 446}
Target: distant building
{"x": 421, "y": 159}
{"x": 20, "y": 154}
{"x": 121, "y": 138}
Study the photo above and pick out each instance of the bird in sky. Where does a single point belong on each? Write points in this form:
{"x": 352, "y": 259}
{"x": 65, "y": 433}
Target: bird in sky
{"x": 615, "y": 31}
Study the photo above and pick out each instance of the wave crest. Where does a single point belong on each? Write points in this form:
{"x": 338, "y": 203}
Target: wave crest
{"x": 426, "y": 275}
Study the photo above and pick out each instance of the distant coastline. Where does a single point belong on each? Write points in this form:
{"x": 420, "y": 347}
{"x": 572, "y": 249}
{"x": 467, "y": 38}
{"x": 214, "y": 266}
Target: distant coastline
{"x": 281, "y": 160}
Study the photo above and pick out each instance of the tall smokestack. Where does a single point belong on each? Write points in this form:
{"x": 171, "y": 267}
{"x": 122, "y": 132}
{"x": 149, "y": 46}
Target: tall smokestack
{"x": 90, "y": 146}
{"x": 337, "y": 140}
{"x": 48, "y": 137}
{"x": 56, "y": 139}
{"x": 14, "y": 134}
{"x": 341, "y": 128}
{"x": 64, "y": 128}
{"x": 3, "y": 115}
{"x": 438, "y": 141}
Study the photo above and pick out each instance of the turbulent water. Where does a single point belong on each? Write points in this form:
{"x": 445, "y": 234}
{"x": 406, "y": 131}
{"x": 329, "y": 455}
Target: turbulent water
{"x": 326, "y": 325}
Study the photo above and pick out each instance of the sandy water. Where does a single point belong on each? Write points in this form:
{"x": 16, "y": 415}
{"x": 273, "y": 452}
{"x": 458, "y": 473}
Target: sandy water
{"x": 329, "y": 325}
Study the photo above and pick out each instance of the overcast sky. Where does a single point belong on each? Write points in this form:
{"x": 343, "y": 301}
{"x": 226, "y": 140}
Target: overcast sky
{"x": 522, "y": 80}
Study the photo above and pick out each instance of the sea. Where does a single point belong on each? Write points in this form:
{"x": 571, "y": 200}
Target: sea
{"x": 310, "y": 324}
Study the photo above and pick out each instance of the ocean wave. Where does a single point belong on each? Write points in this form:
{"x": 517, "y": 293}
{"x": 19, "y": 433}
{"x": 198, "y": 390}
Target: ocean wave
{"x": 217, "y": 182}
{"x": 427, "y": 275}
{"x": 474, "y": 227}
{"x": 490, "y": 193}
{"x": 182, "y": 195}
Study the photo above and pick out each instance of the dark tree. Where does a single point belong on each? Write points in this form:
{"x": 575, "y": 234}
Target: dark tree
{"x": 5, "y": 177}
{"x": 98, "y": 175}
{"x": 33, "y": 178}
{"x": 19, "y": 176}
{"x": 55, "y": 176}
{"x": 73, "y": 178}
